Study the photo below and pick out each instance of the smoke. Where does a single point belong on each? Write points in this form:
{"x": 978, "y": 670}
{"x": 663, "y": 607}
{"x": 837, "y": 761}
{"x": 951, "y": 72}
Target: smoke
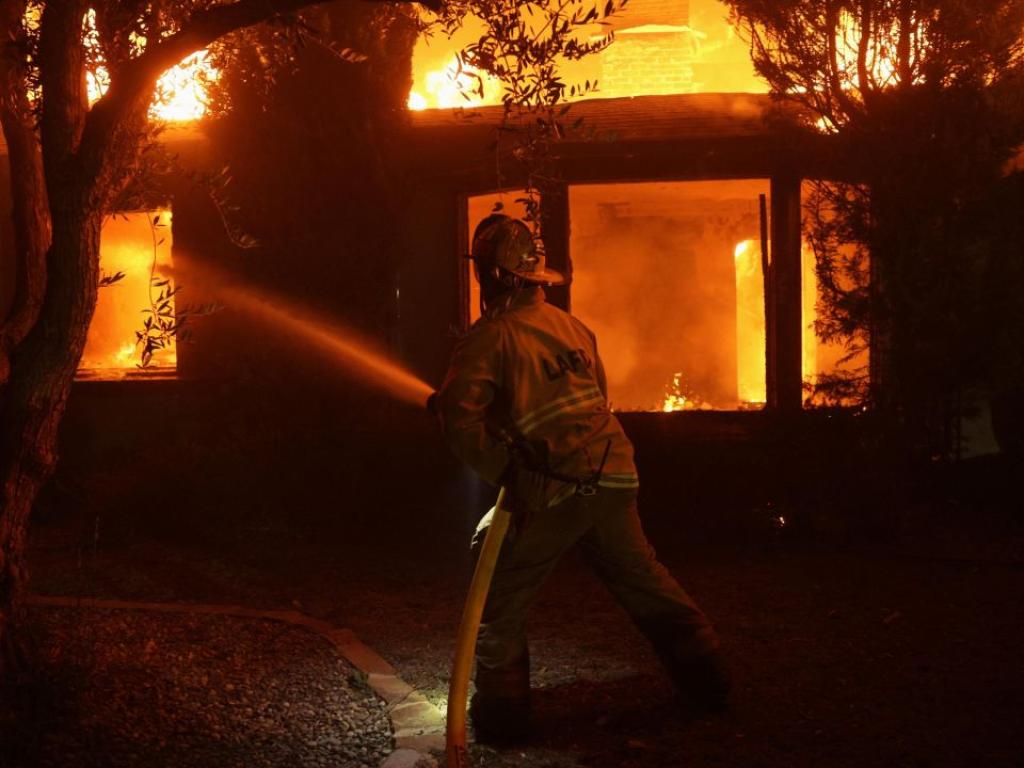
{"x": 654, "y": 275}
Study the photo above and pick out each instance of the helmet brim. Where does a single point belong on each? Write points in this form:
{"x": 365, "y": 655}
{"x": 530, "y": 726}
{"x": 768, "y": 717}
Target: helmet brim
{"x": 546, "y": 276}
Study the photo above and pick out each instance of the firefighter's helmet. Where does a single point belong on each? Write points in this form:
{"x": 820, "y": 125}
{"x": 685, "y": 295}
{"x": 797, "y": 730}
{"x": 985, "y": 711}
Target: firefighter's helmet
{"x": 506, "y": 243}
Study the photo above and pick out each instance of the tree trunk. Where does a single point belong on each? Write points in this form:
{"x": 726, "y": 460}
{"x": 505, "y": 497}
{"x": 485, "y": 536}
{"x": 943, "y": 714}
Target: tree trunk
{"x": 42, "y": 370}
{"x": 29, "y": 214}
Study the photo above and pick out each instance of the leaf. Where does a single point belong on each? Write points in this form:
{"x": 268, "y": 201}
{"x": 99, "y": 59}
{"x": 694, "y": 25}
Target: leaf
{"x": 107, "y": 280}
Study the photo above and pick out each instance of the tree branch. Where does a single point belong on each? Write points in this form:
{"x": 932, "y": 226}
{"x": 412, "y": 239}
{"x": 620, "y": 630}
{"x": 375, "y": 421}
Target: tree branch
{"x": 904, "y": 54}
{"x": 134, "y": 85}
{"x": 866, "y": 86}
{"x": 832, "y": 73}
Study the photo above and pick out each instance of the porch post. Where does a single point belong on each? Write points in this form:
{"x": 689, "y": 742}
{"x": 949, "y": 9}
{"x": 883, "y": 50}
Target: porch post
{"x": 787, "y": 324}
{"x": 554, "y": 230}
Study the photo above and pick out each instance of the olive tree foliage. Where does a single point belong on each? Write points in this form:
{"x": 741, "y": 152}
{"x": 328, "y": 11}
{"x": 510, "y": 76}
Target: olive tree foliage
{"x": 71, "y": 163}
{"x": 524, "y": 45}
{"x": 923, "y": 99}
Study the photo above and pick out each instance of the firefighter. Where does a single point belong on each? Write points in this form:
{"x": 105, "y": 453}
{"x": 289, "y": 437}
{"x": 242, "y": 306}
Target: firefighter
{"x": 525, "y": 404}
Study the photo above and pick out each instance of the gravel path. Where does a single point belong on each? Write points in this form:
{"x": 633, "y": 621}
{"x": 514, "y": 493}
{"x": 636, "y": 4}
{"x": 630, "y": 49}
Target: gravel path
{"x": 140, "y": 689}
{"x": 843, "y": 657}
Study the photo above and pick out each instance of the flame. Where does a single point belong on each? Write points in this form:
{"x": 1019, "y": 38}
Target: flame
{"x": 180, "y": 94}
{"x": 127, "y": 245}
{"x": 679, "y": 397}
{"x": 659, "y": 56}
{"x": 881, "y": 68}
{"x": 123, "y": 357}
{"x": 417, "y": 101}
{"x": 181, "y": 91}
{"x": 674, "y": 399}
{"x": 455, "y": 85}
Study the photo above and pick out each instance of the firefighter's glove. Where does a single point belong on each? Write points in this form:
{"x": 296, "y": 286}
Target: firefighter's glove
{"x": 533, "y": 455}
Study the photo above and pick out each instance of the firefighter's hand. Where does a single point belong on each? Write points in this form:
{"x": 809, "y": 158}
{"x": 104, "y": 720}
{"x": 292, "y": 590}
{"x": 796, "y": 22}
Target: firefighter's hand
{"x": 432, "y": 404}
{"x": 530, "y": 454}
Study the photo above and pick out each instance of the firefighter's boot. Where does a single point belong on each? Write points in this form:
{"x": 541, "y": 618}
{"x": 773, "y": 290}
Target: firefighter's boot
{"x": 500, "y": 708}
{"x": 702, "y": 682}
{"x": 499, "y": 720}
{"x": 694, "y": 663}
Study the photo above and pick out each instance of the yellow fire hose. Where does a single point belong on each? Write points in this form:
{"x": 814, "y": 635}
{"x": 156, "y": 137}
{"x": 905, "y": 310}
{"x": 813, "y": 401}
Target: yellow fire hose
{"x": 469, "y": 627}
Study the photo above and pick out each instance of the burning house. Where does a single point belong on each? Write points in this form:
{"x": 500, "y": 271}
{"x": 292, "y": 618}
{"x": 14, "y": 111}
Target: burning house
{"x": 666, "y": 238}
{"x": 677, "y": 212}
{"x": 673, "y": 213}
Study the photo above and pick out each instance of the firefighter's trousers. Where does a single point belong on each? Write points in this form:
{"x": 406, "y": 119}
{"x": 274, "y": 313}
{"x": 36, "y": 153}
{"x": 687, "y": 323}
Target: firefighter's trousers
{"x": 607, "y": 528}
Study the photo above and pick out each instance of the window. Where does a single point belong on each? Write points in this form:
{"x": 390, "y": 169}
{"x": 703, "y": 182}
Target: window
{"x": 821, "y": 359}
{"x": 668, "y": 275}
{"x": 138, "y": 246}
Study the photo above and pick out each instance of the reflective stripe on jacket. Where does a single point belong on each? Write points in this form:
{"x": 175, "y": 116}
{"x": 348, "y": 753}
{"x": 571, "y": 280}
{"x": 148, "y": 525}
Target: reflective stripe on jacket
{"x": 532, "y": 370}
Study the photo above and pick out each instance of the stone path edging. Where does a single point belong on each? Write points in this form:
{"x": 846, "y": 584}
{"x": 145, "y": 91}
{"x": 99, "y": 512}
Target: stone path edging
{"x": 418, "y": 724}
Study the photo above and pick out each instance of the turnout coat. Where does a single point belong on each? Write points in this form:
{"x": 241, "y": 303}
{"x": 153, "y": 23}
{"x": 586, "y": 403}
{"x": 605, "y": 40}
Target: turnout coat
{"x": 530, "y": 370}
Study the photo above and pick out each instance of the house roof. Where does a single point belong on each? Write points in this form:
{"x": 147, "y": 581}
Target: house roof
{"x": 627, "y": 119}
{"x": 706, "y": 135}
{"x": 646, "y": 118}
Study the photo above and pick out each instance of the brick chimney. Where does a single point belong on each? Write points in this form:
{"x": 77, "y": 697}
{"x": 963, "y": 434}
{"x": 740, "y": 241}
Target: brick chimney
{"x": 653, "y": 52}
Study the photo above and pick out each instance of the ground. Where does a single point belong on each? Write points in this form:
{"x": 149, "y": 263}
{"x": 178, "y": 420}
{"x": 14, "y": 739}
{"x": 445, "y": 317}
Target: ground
{"x": 843, "y": 654}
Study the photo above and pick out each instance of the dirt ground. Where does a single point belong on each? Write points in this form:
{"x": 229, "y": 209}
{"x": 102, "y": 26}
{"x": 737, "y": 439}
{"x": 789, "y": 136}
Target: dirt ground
{"x": 842, "y": 655}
